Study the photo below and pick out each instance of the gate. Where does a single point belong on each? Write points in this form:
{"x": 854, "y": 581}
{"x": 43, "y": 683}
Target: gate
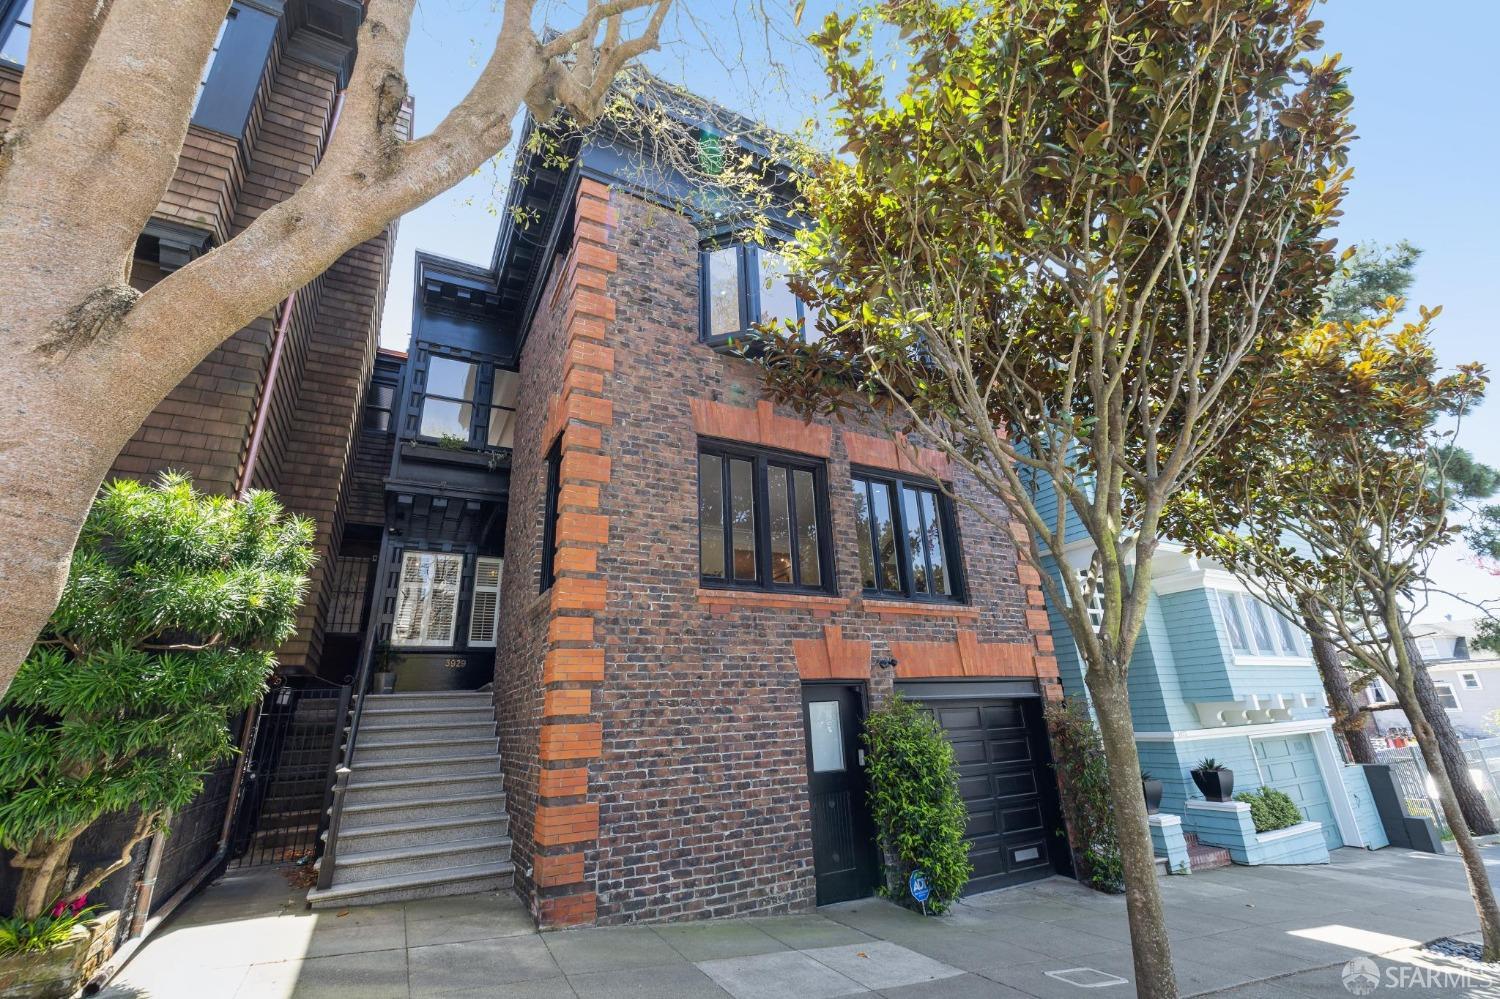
{"x": 284, "y": 803}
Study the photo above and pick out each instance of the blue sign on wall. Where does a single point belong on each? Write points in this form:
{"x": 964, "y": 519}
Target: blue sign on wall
{"x": 920, "y": 889}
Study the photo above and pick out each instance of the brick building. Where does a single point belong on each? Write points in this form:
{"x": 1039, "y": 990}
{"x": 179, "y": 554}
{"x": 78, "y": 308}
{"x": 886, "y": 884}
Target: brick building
{"x": 701, "y": 594}
{"x": 277, "y": 405}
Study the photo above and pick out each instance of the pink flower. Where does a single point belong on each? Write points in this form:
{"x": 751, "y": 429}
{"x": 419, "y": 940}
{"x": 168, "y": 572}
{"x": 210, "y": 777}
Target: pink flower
{"x": 64, "y": 906}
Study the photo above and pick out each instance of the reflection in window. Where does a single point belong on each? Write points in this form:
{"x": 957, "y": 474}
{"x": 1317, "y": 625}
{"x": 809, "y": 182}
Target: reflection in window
{"x": 427, "y": 600}
{"x": 759, "y": 521}
{"x": 826, "y": 735}
{"x": 18, "y": 39}
{"x": 744, "y": 285}
{"x": 724, "y": 291}
{"x": 920, "y": 563}
{"x": 1257, "y": 630}
{"x": 502, "y": 425}
{"x": 456, "y": 401}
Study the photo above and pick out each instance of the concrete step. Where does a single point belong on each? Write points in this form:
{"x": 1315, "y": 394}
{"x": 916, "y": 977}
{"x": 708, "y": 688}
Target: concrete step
{"x": 430, "y": 699}
{"x": 424, "y": 749}
{"x": 427, "y": 768}
{"x": 380, "y": 813}
{"x": 424, "y": 884}
{"x": 353, "y": 867}
{"x": 365, "y": 792}
{"x": 380, "y": 735}
{"x": 381, "y": 717}
{"x": 392, "y": 835}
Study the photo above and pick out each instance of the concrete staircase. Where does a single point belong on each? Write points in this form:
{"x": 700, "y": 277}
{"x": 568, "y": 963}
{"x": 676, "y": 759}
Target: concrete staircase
{"x": 424, "y": 814}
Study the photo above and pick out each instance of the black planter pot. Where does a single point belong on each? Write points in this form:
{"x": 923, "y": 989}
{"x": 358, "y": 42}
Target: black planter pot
{"x": 1216, "y": 785}
{"x": 1152, "y": 789}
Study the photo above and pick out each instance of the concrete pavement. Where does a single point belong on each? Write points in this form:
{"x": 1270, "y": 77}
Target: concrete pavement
{"x": 1244, "y": 932}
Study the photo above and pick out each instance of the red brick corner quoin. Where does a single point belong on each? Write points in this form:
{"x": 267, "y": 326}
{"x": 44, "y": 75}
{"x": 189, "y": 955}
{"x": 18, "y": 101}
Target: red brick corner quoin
{"x": 567, "y": 822}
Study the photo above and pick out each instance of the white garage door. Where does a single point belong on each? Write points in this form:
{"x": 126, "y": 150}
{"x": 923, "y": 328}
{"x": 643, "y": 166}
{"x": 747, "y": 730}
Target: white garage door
{"x": 1289, "y": 765}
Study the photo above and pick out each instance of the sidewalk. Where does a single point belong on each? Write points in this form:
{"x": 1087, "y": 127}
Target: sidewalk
{"x": 1244, "y": 932}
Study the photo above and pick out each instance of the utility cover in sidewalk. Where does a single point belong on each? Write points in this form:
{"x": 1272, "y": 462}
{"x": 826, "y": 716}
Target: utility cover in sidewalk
{"x": 1087, "y": 978}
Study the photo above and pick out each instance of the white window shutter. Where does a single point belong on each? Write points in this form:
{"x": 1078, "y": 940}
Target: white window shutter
{"x": 484, "y": 617}
{"x": 427, "y": 602}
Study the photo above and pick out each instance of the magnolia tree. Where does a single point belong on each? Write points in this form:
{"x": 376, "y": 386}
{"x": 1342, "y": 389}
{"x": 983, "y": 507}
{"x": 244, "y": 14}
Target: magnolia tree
{"x": 1061, "y": 251}
{"x": 1336, "y": 501}
{"x": 165, "y": 630}
{"x": 107, "y": 93}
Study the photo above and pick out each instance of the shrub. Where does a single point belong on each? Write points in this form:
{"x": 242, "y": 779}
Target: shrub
{"x": 1270, "y": 809}
{"x": 30, "y": 936}
{"x": 1079, "y": 756}
{"x": 915, "y": 801}
{"x": 165, "y": 628}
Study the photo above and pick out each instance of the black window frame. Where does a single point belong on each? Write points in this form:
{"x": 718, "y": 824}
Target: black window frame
{"x": 552, "y": 489}
{"x": 947, "y": 530}
{"x": 482, "y": 405}
{"x": 9, "y": 17}
{"x": 761, "y": 460}
{"x": 747, "y": 266}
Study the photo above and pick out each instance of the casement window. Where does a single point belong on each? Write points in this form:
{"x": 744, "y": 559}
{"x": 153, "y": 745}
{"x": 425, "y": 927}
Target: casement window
{"x": 1470, "y": 681}
{"x": 1377, "y": 693}
{"x": 427, "y": 599}
{"x": 1256, "y": 630}
{"x": 742, "y": 285}
{"x": 762, "y": 520}
{"x": 484, "y": 613}
{"x": 1445, "y": 695}
{"x": 1428, "y": 647}
{"x": 15, "y": 32}
{"x": 906, "y": 538}
{"x": 550, "y": 496}
{"x": 468, "y": 403}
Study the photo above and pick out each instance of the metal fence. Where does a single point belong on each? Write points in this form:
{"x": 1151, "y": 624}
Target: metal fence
{"x": 1417, "y": 789}
{"x": 289, "y": 774}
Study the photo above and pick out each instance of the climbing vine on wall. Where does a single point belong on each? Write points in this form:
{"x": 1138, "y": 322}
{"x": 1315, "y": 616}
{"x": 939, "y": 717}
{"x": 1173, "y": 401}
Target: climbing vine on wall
{"x": 1079, "y": 761}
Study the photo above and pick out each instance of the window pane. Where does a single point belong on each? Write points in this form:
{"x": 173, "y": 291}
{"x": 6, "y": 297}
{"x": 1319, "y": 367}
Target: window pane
{"x": 885, "y": 535}
{"x": 441, "y": 418}
{"x": 1446, "y": 697}
{"x": 16, "y": 44}
{"x": 451, "y": 377}
{"x": 776, "y": 298}
{"x": 781, "y": 526}
{"x": 1260, "y": 625}
{"x": 742, "y": 513}
{"x": 1288, "y": 635}
{"x": 506, "y": 387}
{"x": 711, "y": 514}
{"x": 936, "y": 555}
{"x": 1234, "y": 622}
{"x": 826, "y": 736}
{"x": 724, "y": 291}
{"x": 916, "y": 547}
{"x": 862, "y": 531}
{"x": 807, "y": 529}
{"x": 810, "y": 331}
{"x": 502, "y": 430}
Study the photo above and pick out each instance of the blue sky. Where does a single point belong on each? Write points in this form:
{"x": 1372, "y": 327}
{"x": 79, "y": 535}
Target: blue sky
{"x": 1426, "y": 163}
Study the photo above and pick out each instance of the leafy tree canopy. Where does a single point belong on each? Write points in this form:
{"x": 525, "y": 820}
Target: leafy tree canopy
{"x": 166, "y": 627}
{"x": 1371, "y": 275}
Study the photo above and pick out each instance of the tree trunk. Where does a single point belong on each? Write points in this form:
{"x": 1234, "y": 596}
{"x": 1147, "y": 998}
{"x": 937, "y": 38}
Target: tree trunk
{"x": 1348, "y": 720}
{"x": 1470, "y": 800}
{"x": 1479, "y": 879}
{"x": 1148, "y": 927}
{"x": 42, "y": 872}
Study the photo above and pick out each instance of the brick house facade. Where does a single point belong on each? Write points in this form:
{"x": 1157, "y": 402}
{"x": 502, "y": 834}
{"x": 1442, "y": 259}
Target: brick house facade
{"x": 655, "y": 725}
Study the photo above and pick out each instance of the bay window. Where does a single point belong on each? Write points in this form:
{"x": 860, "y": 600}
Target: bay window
{"x": 1257, "y": 630}
{"x": 468, "y": 404}
{"x": 743, "y": 285}
{"x": 906, "y": 538}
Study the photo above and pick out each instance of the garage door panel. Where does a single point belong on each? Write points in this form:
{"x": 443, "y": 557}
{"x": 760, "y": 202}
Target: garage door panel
{"x": 1290, "y": 765}
{"x": 998, "y": 764}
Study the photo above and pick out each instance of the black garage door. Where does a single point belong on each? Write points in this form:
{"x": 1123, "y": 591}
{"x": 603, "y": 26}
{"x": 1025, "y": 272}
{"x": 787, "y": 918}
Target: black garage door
{"x": 1007, "y": 784}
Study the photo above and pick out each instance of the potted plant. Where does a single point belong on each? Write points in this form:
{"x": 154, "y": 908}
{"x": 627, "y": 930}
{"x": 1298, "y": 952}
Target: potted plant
{"x": 384, "y": 679}
{"x": 1152, "y": 789}
{"x": 1215, "y": 780}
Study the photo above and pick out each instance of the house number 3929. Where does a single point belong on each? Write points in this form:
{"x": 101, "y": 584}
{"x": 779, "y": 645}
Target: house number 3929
{"x": 455, "y": 663}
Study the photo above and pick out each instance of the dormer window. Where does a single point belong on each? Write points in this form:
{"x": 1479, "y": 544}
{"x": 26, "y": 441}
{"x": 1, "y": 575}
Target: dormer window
{"x": 743, "y": 285}
{"x": 468, "y": 404}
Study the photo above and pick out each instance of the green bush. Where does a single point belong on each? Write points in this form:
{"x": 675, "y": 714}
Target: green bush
{"x": 1079, "y": 756}
{"x": 173, "y": 605}
{"x": 914, "y": 799}
{"x": 1270, "y": 809}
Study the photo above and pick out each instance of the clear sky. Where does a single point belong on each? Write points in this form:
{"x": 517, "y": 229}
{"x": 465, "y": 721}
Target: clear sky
{"x": 1427, "y": 163}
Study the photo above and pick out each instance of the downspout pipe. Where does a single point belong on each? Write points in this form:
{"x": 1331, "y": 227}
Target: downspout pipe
{"x": 142, "y": 923}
